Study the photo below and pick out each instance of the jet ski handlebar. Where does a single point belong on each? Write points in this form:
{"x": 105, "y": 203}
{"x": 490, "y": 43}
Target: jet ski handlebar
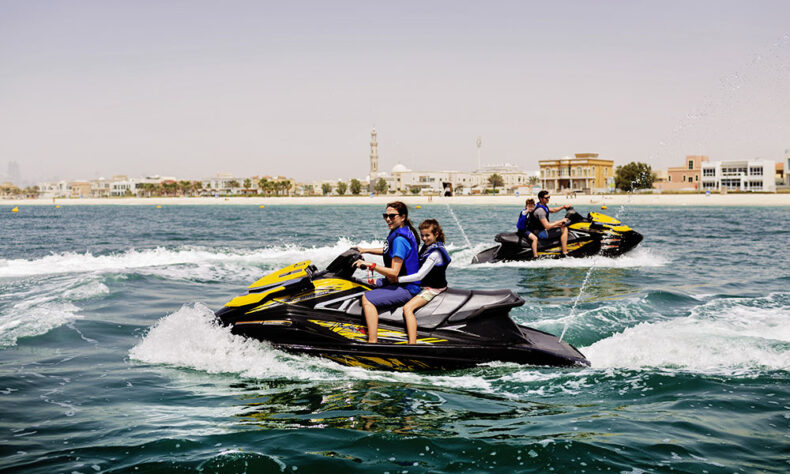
{"x": 342, "y": 265}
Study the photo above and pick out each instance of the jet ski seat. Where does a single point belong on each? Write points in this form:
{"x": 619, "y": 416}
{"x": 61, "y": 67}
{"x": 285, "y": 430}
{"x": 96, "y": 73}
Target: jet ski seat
{"x": 452, "y": 305}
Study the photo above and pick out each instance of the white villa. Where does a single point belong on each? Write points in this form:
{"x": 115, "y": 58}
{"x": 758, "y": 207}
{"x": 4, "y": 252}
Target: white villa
{"x": 757, "y": 175}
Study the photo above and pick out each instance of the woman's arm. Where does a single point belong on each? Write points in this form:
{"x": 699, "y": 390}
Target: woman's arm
{"x": 433, "y": 259}
{"x": 372, "y": 251}
{"x": 391, "y": 273}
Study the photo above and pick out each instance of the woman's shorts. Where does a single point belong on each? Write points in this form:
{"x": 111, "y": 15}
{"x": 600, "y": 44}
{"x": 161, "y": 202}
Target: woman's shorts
{"x": 388, "y": 296}
{"x": 430, "y": 293}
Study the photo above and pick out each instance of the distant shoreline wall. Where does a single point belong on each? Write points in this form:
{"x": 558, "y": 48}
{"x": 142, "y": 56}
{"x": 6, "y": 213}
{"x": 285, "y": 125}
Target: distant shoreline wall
{"x": 746, "y": 199}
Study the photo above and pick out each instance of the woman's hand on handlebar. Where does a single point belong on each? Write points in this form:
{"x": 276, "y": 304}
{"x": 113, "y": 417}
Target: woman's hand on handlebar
{"x": 361, "y": 263}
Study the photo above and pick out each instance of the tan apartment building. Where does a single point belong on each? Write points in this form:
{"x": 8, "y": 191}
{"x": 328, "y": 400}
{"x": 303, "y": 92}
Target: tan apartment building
{"x": 684, "y": 178}
{"x": 584, "y": 172}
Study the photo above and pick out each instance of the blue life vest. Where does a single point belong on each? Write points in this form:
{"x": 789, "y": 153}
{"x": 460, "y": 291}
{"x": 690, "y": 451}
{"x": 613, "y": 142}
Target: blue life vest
{"x": 528, "y": 222}
{"x": 411, "y": 264}
{"x": 435, "y": 278}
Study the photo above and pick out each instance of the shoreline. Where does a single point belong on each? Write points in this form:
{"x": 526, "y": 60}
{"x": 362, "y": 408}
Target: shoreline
{"x": 772, "y": 199}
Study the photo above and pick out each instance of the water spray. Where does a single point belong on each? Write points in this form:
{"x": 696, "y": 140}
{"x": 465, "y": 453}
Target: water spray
{"x": 468, "y": 244}
{"x": 584, "y": 284}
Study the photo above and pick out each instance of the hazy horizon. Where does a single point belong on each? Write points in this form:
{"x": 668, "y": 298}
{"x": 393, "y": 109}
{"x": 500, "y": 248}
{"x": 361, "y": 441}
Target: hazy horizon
{"x": 193, "y": 88}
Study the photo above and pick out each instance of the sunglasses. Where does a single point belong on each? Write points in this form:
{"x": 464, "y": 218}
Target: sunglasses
{"x": 389, "y": 216}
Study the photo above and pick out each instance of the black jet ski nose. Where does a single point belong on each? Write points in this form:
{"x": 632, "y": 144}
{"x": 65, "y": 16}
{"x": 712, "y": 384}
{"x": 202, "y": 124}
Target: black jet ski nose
{"x": 629, "y": 240}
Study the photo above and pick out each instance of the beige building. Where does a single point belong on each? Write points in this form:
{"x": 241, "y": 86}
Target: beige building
{"x": 684, "y": 178}
{"x": 584, "y": 172}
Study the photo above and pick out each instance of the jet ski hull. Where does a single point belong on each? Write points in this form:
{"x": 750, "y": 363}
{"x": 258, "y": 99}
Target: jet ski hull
{"x": 319, "y": 314}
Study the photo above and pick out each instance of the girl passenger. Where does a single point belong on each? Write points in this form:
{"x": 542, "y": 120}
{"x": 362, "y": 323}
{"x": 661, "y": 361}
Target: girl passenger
{"x": 433, "y": 264}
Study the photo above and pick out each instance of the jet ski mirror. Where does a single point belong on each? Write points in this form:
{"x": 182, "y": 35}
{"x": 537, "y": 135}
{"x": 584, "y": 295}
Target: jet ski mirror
{"x": 342, "y": 264}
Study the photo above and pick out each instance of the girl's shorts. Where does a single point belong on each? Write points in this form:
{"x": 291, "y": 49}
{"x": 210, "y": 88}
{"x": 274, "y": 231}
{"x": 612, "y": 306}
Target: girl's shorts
{"x": 429, "y": 293}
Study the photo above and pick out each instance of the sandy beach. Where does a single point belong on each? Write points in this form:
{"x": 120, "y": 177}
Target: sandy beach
{"x": 558, "y": 198}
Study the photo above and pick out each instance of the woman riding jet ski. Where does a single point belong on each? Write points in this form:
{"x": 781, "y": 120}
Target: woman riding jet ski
{"x": 302, "y": 310}
{"x": 596, "y": 234}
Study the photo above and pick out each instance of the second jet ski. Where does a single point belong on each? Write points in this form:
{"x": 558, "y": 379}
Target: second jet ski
{"x": 596, "y": 234}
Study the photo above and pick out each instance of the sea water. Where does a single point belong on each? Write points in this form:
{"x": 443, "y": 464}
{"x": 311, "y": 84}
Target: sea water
{"x": 110, "y": 359}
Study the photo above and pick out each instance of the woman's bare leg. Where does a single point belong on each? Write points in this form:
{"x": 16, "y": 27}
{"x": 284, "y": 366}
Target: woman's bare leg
{"x": 372, "y": 319}
{"x": 408, "y": 314}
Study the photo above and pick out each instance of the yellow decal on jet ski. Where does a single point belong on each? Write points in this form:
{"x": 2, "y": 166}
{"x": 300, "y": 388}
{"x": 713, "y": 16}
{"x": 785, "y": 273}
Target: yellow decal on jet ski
{"x": 266, "y": 305}
{"x": 571, "y": 247}
{"x": 251, "y": 298}
{"x": 297, "y": 270}
{"x": 369, "y": 362}
{"x": 320, "y": 288}
{"x": 323, "y": 287}
{"x": 580, "y": 226}
{"x": 603, "y": 218}
{"x": 359, "y": 333}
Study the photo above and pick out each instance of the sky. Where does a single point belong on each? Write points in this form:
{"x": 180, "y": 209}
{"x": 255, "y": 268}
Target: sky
{"x": 195, "y": 88}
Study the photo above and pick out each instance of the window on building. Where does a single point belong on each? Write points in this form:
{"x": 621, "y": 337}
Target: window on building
{"x": 684, "y": 178}
{"x": 669, "y": 179}
{"x": 691, "y": 164}
{"x": 708, "y": 172}
{"x": 696, "y": 177}
{"x": 756, "y": 171}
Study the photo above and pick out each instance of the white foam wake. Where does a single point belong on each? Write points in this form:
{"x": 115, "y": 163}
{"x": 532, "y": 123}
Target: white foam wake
{"x": 191, "y": 338}
{"x": 36, "y": 310}
{"x": 720, "y": 336}
{"x": 637, "y": 258}
{"x": 133, "y": 259}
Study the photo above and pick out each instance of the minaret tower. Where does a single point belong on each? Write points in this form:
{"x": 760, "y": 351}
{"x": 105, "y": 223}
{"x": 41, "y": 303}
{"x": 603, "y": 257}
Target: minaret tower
{"x": 374, "y": 161}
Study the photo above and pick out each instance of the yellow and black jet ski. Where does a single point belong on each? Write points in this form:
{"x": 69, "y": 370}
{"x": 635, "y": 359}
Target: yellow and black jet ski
{"x": 596, "y": 234}
{"x": 302, "y": 310}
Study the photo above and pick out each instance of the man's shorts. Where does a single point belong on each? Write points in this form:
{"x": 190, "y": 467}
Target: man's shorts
{"x": 388, "y": 296}
{"x": 550, "y": 234}
{"x": 430, "y": 293}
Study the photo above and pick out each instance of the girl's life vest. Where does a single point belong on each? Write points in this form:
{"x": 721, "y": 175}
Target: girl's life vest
{"x": 435, "y": 278}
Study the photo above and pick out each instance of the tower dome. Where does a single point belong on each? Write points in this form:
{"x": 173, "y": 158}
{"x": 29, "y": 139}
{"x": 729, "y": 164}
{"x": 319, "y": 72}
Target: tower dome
{"x": 399, "y": 168}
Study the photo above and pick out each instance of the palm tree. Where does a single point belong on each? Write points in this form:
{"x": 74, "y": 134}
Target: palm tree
{"x": 356, "y": 187}
{"x": 326, "y": 188}
{"x": 341, "y": 188}
{"x": 286, "y": 186}
{"x": 496, "y": 180}
{"x": 381, "y": 186}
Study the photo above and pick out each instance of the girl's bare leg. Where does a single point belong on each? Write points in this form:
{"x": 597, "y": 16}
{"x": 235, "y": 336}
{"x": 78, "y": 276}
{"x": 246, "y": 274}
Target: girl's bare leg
{"x": 408, "y": 314}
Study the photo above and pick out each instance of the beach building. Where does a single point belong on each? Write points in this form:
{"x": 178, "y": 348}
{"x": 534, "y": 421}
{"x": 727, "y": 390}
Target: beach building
{"x": 426, "y": 182}
{"x": 585, "y": 172}
{"x": 80, "y": 189}
{"x": 100, "y": 188}
{"x": 683, "y": 178}
{"x": 743, "y": 175}
{"x": 58, "y": 189}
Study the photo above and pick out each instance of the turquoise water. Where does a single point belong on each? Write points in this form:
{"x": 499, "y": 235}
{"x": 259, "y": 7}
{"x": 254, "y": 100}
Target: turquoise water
{"x": 110, "y": 361}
